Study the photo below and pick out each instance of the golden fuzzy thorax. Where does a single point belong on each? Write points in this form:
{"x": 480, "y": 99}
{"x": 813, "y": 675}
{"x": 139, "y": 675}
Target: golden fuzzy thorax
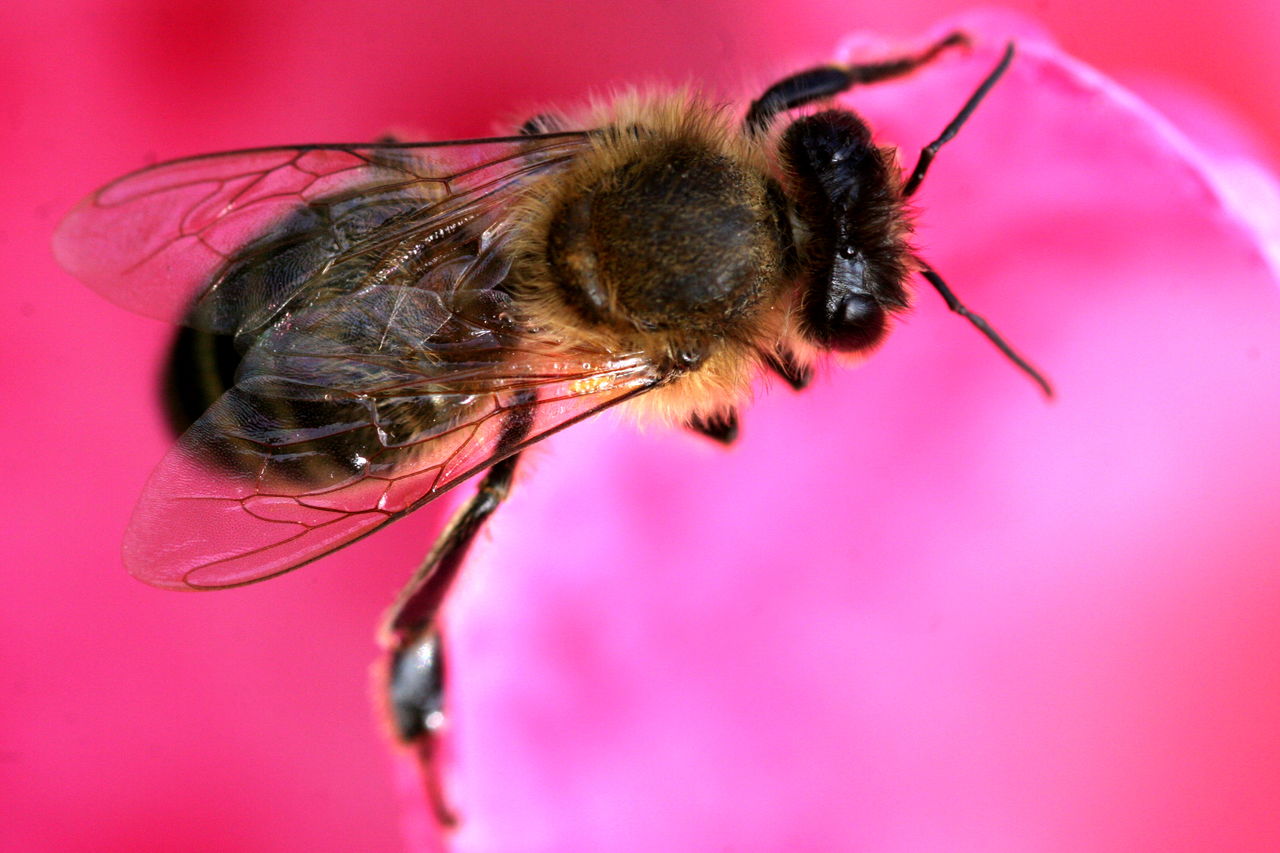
{"x": 667, "y": 239}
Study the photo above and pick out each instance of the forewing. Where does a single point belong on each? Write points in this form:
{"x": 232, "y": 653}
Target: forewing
{"x": 350, "y": 414}
{"x": 223, "y": 242}
{"x": 382, "y": 363}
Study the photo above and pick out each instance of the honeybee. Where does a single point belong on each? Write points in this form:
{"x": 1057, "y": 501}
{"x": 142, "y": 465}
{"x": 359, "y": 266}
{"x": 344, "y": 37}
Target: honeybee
{"x": 370, "y": 325}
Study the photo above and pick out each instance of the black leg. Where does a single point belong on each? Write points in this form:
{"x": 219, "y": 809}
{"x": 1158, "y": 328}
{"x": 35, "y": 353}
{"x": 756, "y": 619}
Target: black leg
{"x": 424, "y": 594}
{"x": 391, "y": 156}
{"x": 416, "y": 693}
{"x": 416, "y": 658}
{"x": 417, "y": 686}
{"x": 415, "y": 648}
{"x": 416, "y": 608}
{"x": 722, "y": 428}
{"x": 541, "y": 123}
{"x": 785, "y": 365}
{"x": 931, "y": 150}
{"x": 829, "y": 80}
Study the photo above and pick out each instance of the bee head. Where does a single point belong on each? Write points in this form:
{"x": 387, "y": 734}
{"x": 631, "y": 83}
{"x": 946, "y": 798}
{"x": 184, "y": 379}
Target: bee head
{"x": 848, "y": 198}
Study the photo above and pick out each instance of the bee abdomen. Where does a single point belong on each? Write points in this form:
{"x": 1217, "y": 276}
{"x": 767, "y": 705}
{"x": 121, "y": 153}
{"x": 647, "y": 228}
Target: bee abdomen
{"x": 201, "y": 367}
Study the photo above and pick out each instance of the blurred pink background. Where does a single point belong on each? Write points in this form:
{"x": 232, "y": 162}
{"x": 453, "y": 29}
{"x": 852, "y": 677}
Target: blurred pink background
{"x": 1072, "y": 648}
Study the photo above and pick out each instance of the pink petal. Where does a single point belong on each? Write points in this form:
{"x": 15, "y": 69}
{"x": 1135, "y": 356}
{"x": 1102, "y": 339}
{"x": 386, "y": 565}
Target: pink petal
{"x": 137, "y": 719}
{"x": 918, "y": 608}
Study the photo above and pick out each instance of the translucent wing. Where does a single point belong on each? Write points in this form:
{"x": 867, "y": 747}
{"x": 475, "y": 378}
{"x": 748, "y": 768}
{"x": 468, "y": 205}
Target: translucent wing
{"x": 222, "y": 242}
{"x": 326, "y": 438}
{"x": 383, "y": 361}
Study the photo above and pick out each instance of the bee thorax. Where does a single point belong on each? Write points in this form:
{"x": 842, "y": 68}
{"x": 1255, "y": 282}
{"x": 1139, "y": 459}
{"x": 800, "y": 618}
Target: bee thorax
{"x": 679, "y": 237}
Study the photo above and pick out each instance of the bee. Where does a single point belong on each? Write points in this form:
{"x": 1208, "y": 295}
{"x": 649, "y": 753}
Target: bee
{"x": 369, "y": 325}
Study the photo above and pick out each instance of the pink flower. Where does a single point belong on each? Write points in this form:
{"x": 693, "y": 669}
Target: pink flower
{"x": 917, "y": 609}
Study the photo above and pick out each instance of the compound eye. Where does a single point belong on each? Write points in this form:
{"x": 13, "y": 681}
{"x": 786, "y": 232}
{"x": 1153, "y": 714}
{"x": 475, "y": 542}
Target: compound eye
{"x": 847, "y": 322}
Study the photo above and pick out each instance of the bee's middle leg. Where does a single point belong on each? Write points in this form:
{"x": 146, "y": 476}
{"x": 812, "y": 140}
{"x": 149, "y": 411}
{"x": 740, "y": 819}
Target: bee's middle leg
{"x": 784, "y": 363}
{"x": 720, "y": 428}
{"x": 724, "y": 428}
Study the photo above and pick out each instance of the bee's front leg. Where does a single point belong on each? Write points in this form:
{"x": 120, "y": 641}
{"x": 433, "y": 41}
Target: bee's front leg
{"x": 826, "y": 81}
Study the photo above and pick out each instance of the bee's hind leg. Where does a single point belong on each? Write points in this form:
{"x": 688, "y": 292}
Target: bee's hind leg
{"x": 415, "y": 674}
{"x": 416, "y": 659}
{"x": 416, "y": 696}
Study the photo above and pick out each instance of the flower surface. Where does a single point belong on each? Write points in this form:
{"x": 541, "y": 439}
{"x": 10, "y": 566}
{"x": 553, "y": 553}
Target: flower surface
{"x": 916, "y": 609}
{"x": 919, "y": 608}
